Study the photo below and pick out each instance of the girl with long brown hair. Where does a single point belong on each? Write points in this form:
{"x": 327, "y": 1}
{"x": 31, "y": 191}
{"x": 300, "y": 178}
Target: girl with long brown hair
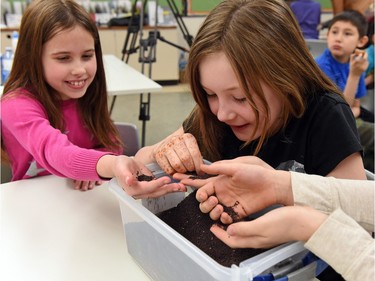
{"x": 259, "y": 92}
{"x": 55, "y": 117}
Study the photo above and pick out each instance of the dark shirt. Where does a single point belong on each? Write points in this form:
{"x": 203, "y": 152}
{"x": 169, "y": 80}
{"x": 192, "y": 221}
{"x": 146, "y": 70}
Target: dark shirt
{"x": 315, "y": 143}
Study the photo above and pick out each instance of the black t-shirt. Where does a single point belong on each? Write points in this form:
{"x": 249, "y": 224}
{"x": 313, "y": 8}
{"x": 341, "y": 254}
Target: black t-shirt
{"x": 315, "y": 143}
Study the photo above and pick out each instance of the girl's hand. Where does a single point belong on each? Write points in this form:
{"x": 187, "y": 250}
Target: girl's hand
{"x": 85, "y": 185}
{"x": 151, "y": 189}
{"x": 138, "y": 181}
{"x": 134, "y": 177}
{"x": 179, "y": 154}
{"x": 281, "y": 225}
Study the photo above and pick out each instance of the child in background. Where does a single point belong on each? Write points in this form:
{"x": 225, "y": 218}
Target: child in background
{"x": 345, "y": 65}
{"x": 54, "y": 114}
{"x": 307, "y": 13}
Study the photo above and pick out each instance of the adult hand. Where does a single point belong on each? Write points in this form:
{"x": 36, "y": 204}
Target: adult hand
{"x": 179, "y": 154}
{"x": 200, "y": 180}
{"x": 247, "y": 184}
{"x": 85, "y": 185}
{"x": 281, "y": 225}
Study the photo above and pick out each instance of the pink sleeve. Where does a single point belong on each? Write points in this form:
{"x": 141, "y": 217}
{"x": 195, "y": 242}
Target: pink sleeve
{"x": 26, "y": 120}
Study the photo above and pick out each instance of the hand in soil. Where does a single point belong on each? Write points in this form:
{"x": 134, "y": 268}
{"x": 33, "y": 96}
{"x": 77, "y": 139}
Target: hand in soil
{"x": 142, "y": 177}
{"x": 191, "y": 223}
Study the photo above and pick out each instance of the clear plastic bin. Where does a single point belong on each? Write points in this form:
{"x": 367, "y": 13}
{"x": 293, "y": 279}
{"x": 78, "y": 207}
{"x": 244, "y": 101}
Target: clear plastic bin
{"x": 166, "y": 255}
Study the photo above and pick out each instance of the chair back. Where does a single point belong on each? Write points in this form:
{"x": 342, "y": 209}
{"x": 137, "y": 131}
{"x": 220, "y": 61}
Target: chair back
{"x": 129, "y": 136}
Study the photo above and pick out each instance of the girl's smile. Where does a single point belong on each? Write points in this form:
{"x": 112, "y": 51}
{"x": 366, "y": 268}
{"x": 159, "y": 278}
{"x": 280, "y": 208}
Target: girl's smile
{"x": 76, "y": 84}
{"x": 228, "y": 101}
{"x": 69, "y": 68}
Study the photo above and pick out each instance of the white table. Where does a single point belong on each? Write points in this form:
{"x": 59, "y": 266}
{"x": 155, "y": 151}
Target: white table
{"x": 51, "y": 232}
{"x": 122, "y": 79}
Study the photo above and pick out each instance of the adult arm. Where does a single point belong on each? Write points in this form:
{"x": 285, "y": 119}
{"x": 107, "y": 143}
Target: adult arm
{"x": 337, "y": 238}
{"x": 255, "y": 185}
{"x": 343, "y": 244}
{"x": 354, "y": 197}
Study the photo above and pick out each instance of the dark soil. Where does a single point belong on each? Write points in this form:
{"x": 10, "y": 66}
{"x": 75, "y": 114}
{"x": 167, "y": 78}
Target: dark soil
{"x": 190, "y": 222}
{"x": 142, "y": 177}
{"x": 194, "y": 176}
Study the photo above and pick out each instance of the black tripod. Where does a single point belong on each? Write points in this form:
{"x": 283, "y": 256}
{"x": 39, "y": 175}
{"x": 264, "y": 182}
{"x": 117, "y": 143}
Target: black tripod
{"x": 147, "y": 51}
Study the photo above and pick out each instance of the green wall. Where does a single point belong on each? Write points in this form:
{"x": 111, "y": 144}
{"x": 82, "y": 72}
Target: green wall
{"x": 201, "y": 6}
{"x": 326, "y": 4}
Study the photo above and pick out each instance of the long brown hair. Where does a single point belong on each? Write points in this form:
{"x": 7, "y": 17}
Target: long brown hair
{"x": 263, "y": 42}
{"x": 42, "y": 20}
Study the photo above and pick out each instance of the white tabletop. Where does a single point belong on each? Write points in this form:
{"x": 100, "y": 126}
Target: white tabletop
{"x": 122, "y": 79}
{"x": 51, "y": 232}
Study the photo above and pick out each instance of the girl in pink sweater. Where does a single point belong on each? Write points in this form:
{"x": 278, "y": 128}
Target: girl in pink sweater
{"x": 55, "y": 117}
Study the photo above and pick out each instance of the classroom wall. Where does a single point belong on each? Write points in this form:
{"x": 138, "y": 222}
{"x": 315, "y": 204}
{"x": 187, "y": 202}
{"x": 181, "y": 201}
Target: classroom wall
{"x": 326, "y": 4}
{"x": 196, "y": 7}
{"x": 203, "y": 6}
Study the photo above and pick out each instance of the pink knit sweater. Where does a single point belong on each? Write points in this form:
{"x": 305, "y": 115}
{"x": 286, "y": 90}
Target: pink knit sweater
{"x": 35, "y": 148}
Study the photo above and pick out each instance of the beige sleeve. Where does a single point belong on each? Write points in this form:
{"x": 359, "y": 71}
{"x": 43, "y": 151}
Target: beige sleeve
{"x": 354, "y": 197}
{"x": 344, "y": 245}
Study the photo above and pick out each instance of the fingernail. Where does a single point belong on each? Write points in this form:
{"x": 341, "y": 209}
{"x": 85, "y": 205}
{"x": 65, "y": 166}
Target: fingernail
{"x": 213, "y": 226}
{"x": 211, "y": 201}
{"x": 230, "y": 231}
{"x": 178, "y": 188}
{"x": 199, "y": 197}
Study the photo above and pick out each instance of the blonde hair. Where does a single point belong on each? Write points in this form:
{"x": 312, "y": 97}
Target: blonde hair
{"x": 263, "y": 42}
